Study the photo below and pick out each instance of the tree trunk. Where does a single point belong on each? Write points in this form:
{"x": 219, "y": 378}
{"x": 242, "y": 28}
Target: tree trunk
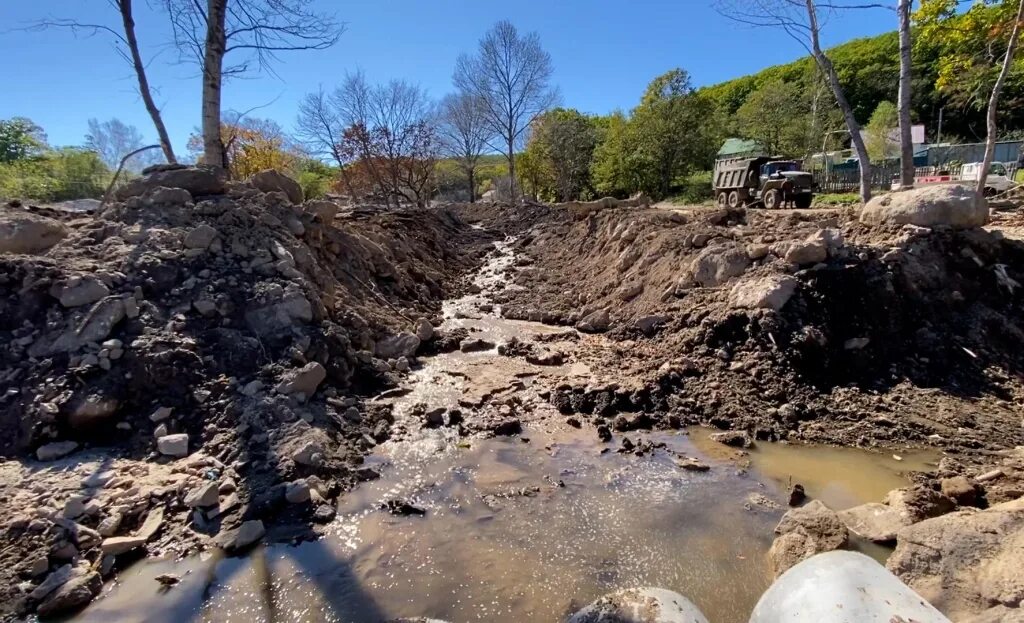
{"x": 511, "y": 171}
{"x": 844, "y": 105}
{"x": 213, "y": 62}
{"x": 906, "y": 138}
{"x": 140, "y": 73}
{"x": 471, "y": 173}
{"x": 993, "y": 100}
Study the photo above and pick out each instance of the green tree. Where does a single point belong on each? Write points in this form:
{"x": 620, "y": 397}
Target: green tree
{"x": 20, "y": 139}
{"x": 562, "y": 143}
{"x": 67, "y": 173}
{"x": 671, "y": 131}
{"x": 880, "y": 132}
{"x": 610, "y": 169}
{"x": 776, "y": 116}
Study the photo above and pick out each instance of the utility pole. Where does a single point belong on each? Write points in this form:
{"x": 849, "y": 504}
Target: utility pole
{"x": 938, "y": 138}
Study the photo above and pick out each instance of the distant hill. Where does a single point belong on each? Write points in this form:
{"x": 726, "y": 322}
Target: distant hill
{"x": 869, "y": 71}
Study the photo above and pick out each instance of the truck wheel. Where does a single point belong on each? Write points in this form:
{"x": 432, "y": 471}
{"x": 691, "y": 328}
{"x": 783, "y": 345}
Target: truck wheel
{"x": 803, "y": 202}
{"x": 723, "y": 199}
{"x": 771, "y": 199}
{"x": 734, "y": 199}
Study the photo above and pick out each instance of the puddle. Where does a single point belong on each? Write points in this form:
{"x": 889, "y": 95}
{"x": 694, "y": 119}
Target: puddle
{"x": 514, "y": 530}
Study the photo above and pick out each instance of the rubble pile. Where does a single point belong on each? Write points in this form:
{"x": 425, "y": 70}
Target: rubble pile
{"x": 215, "y": 339}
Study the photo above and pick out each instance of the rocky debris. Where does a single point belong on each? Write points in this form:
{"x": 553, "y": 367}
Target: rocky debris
{"x": 595, "y": 322}
{"x": 954, "y": 205}
{"x": 965, "y": 562}
{"x": 203, "y": 496}
{"x": 297, "y": 492}
{"x": 304, "y": 380}
{"x": 55, "y": 450}
{"x": 733, "y": 438}
{"x": 271, "y": 180}
{"x": 804, "y": 532}
{"x": 198, "y": 181}
{"x": 75, "y": 588}
{"x": 811, "y": 250}
{"x": 718, "y": 264}
{"x": 24, "y": 232}
{"x": 772, "y": 292}
{"x": 200, "y": 237}
{"x": 173, "y": 445}
{"x": 79, "y": 291}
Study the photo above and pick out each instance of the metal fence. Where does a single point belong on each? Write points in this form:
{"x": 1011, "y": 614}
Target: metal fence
{"x": 847, "y": 180}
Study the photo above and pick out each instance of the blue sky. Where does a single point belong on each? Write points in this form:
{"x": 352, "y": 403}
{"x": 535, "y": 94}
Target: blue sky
{"x": 604, "y": 54}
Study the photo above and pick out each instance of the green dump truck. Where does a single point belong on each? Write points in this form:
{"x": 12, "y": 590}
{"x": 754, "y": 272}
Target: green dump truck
{"x": 765, "y": 181}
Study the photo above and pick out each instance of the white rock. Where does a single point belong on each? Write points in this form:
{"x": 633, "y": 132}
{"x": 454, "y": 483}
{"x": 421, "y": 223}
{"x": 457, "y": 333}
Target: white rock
{"x": 173, "y": 445}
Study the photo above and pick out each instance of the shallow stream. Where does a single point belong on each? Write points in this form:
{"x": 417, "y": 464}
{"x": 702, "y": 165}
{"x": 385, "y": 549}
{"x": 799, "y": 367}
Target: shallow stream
{"x": 521, "y": 528}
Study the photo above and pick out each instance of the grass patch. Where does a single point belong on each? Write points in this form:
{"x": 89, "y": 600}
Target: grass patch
{"x": 835, "y": 199}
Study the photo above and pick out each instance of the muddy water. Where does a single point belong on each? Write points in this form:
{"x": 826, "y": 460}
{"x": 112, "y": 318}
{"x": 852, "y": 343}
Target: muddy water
{"x": 524, "y": 528}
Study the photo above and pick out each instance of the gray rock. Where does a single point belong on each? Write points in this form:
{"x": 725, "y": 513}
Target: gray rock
{"x": 595, "y": 322}
{"x": 771, "y": 292}
{"x": 718, "y": 264}
{"x": 734, "y": 438}
{"x": 55, "y": 450}
{"x": 806, "y": 531}
{"x": 81, "y": 291}
{"x": 173, "y": 445}
{"x": 200, "y": 237}
{"x": 245, "y": 535}
{"x": 918, "y": 503}
{"x": 647, "y": 324}
{"x": 811, "y": 250}
{"x": 640, "y": 605}
{"x": 955, "y": 205}
{"x": 203, "y": 496}
{"x": 117, "y": 545}
{"x": 270, "y": 180}
{"x": 873, "y": 521}
{"x": 23, "y": 232}
{"x": 326, "y": 210}
{"x": 161, "y": 195}
{"x": 74, "y": 507}
{"x": 80, "y": 589}
{"x": 52, "y": 582}
{"x": 161, "y": 414}
{"x": 311, "y": 453}
{"x": 92, "y": 411}
{"x": 964, "y": 562}
{"x": 402, "y": 345}
{"x": 297, "y": 491}
{"x": 472, "y": 345}
{"x": 424, "y": 330}
{"x": 305, "y": 380}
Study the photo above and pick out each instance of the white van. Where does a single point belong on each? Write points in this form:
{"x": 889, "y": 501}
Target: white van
{"x": 997, "y": 180}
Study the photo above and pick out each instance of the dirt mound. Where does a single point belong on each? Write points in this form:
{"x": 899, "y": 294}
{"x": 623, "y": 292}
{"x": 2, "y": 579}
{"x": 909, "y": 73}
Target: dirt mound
{"x": 236, "y": 330}
{"x": 792, "y": 325}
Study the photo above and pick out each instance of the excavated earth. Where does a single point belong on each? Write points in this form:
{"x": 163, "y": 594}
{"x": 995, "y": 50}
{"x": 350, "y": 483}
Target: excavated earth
{"x": 204, "y": 363}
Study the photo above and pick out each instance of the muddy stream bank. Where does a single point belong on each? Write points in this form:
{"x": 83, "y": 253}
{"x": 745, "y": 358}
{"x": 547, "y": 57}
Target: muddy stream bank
{"x": 527, "y": 526}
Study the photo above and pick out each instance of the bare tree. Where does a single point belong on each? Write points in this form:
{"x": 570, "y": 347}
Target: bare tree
{"x": 801, "y": 21}
{"x": 113, "y": 139}
{"x": 464, "y": 132}
{"x": 993, "y": 100}
{"x": 906, "y": 137}
{"x": 257, "y": 30}
{"x": 128, "y": 39}
{"x": 320, "y": 129}
{"x": 510, "y": 76}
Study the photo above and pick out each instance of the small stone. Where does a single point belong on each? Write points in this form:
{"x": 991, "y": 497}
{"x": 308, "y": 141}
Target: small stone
{"x": 424, "y": 330}
{"x": 201, "y": 237}
{"x": 797, "y": 495}
{"x": 74, "y": 507}
{"x": 38, "y": 566}
{"x": 243, "y": 536}
{"x": 305, "y": 380}
{"x": 203, "y": 496}
{"x": 160, "y": 414}
{"x": 297, "y": 492}
{"x": 161, "y": 431}
{"x": 960, "y": 489}
{"x": 55, "y": 450}
{"x": 733, "y": 438}
{"x": 323, "y": 513}
{"x": 173, "y": 445}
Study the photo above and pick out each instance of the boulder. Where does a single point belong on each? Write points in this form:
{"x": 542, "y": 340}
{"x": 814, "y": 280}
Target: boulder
{"x": 166, "y": 196}
{"x": 720, "y": 263}
{"x": 326, "y": 210}
{"x": 595, "y": 322}
{"x": 198, "y": 181}
{"x": 919, "y": 502}
{"x": 55, "y": 450}
{"x": 965, "y": 562}
{"x": 25, "y": 232}
{"x": 733, "y": 438}
{"x": 305, "y": 380}
{"x": 297, "y": 492}
{"x": 806, "y": 531}
{"x": 404, "y": 344}
{"x": 955, "y": 205}
{"x": 875, "y": 522}
{"x": 424, "y": 330}
{"x": 173, "y": 445}
{"x": 270, "y": 181}
{"x": 772, "y": 292}
{"x": 81, "y": 588}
